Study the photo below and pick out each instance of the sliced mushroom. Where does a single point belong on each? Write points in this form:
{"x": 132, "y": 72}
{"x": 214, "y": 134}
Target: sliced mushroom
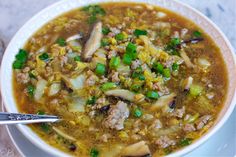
{"x": 187, "y": 83}
{"x": 122, "y": 93}
{"x": 61, "y": 133}
{"x": 186, "y": 59}
{"x": 164, "y": 102}
{"x": 136, "y": 149}
{"x": 93, "y": 43}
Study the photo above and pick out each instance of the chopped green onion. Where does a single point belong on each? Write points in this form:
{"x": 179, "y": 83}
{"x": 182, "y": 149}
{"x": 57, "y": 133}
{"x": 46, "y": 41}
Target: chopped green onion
{"x": 127, "y": 59}
{"x": 44, "y": 56}
{"x": 104, "y": 42}
{"x": 195, "y": 90}
{"x": 137, "y": 112}
{"x": 94, "y": 152}
{"x": 77, "y": 58}
{"x": 175, "y": 67}
{"x": 185, "y": 142}
{"x": 172, "y": 46}
{"x": 131, "y": 48}
{"x": 108, "y": 85}
{"x": 141, "y": 77}
{"x": 91, "y": 100}
{"x": 100, "y": 69}
{"x": 120, "y": 36}
{"x": 166, "y": 73}
{"x": 152, "y": 95}
{"x": 135, "y": 87}
{"x": 105, "y": 30}
{"x": 175, "y": 41}
{"x": 21, "y": 58}
{"x": 22, "y": 55}
{"x": 31, "y": 75}
{"x": 45, "y": 127}
{"x": 61, "y": 42}
{"x": 138, "y": 32}
{"x": 158, "y": 67}
{"x": 197, "y": 34}
{"x": 17, "y": 64}
{"x": 92, "y": 19}
{"x": 31, "y": 90}
{"x": 94, "y": 10}
{"x": 114, "y": 62}
{"x": 40, "y": 112}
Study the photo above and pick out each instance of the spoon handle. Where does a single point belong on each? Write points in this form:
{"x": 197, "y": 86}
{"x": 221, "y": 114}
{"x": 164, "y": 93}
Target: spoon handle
{"x": 17, "y": 118}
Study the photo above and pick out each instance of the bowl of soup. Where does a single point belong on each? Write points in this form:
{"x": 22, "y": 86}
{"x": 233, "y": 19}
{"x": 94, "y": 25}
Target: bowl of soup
{"x": 130, "y": 78}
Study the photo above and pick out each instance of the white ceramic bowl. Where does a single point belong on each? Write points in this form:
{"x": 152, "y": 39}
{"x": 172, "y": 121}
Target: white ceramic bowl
{"x": 57, "y": 9}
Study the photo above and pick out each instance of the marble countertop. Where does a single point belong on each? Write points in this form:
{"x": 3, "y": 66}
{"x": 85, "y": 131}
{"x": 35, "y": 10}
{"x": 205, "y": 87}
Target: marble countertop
{"x": 14, "y": 13}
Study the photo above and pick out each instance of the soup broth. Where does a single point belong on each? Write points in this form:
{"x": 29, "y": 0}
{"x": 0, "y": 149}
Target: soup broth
{"x": 127, "y": 79}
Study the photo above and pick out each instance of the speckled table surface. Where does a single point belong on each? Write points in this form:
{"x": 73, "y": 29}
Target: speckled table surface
{"x": 14, "y": 13}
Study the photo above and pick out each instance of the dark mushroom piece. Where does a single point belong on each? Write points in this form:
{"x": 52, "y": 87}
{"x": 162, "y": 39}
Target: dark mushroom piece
{"x": 93, "y": 43}
{"x": 137, "y": 149}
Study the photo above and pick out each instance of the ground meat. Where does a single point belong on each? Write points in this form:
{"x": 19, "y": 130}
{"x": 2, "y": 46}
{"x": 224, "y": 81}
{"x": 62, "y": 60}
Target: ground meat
{"x": 189, "y": 128}
{"x": 111, "y": 54}
{"x": 203, "y": 121}
{"x": 183, "y": 32}
{"x": 63, "y": 60}
{"x": 115, "y": 30}
{"x": 156, "y": 124}
{"x": 26, "y": 69}
{"x": 105, "y": 137}
{"x": 163, "y": 90}
{"x": 175, "y": 34}
{"x": 103, "y": 79}
{"x": 179, "y": 112}
{"x": 22, "y": 78}
{"x": 111, "y": 34}
{"x": 135, "y": 64}
{"x": 115, "y": 77}
{"x": 116, "y": 116}
{"x": 164, "y": 142}
{"x": 91, "y": 80}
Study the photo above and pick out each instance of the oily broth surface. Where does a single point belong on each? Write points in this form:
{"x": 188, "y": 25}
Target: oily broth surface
{"x": 46, "y": 35}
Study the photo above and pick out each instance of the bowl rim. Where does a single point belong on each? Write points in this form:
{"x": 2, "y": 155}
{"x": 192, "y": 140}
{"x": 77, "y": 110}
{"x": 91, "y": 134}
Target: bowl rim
{"x": 54, "y": 151}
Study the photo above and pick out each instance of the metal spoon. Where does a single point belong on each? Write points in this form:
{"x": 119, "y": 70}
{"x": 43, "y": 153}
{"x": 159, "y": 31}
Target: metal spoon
{"x": 17, "y": 118}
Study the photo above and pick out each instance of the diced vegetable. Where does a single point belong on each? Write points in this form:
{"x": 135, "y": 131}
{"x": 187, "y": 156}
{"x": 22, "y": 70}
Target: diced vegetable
{"x": 108, "y": 85}
{"x": 100, "y": 69}
{"x": 185, "y": 141}
{"x": 137, "y": 112}
{"x": 61, "y": 41}
{"x": 114, "y": 62}
{"x": 152, "y": 95}
{"x": 44, "y": 56}
{"x": 31, "y": 90}
{"x": 77, "y": 105}
{"x": 197, "y": 34}
{"x": 94, "y": 152}
{"x": 105, "y": 30}
{"x": 127, "y": 59}
{"x": 39, "y": 91}
{"x": 20, "y": 59}
{"x": 175, "y": 66}
{"x": 45, "y": 127}
{"x": 91, "y": 100}
{"x": 138, "y": 32}
{"x": 203, "y": 63}
{"x": 195, "y": 90}
{"x": 130, "y": 53}
{"x": 186, "y": 59}
{"x": 158, "y": 67}
{"x": 166, "y": 73}
{"x": 104, "y": 42}
{"x": 120, "y": 36}
{"x": 77, "y": 58}
{"x": 75, "y": 83}
{"x": 54, "y": 89}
